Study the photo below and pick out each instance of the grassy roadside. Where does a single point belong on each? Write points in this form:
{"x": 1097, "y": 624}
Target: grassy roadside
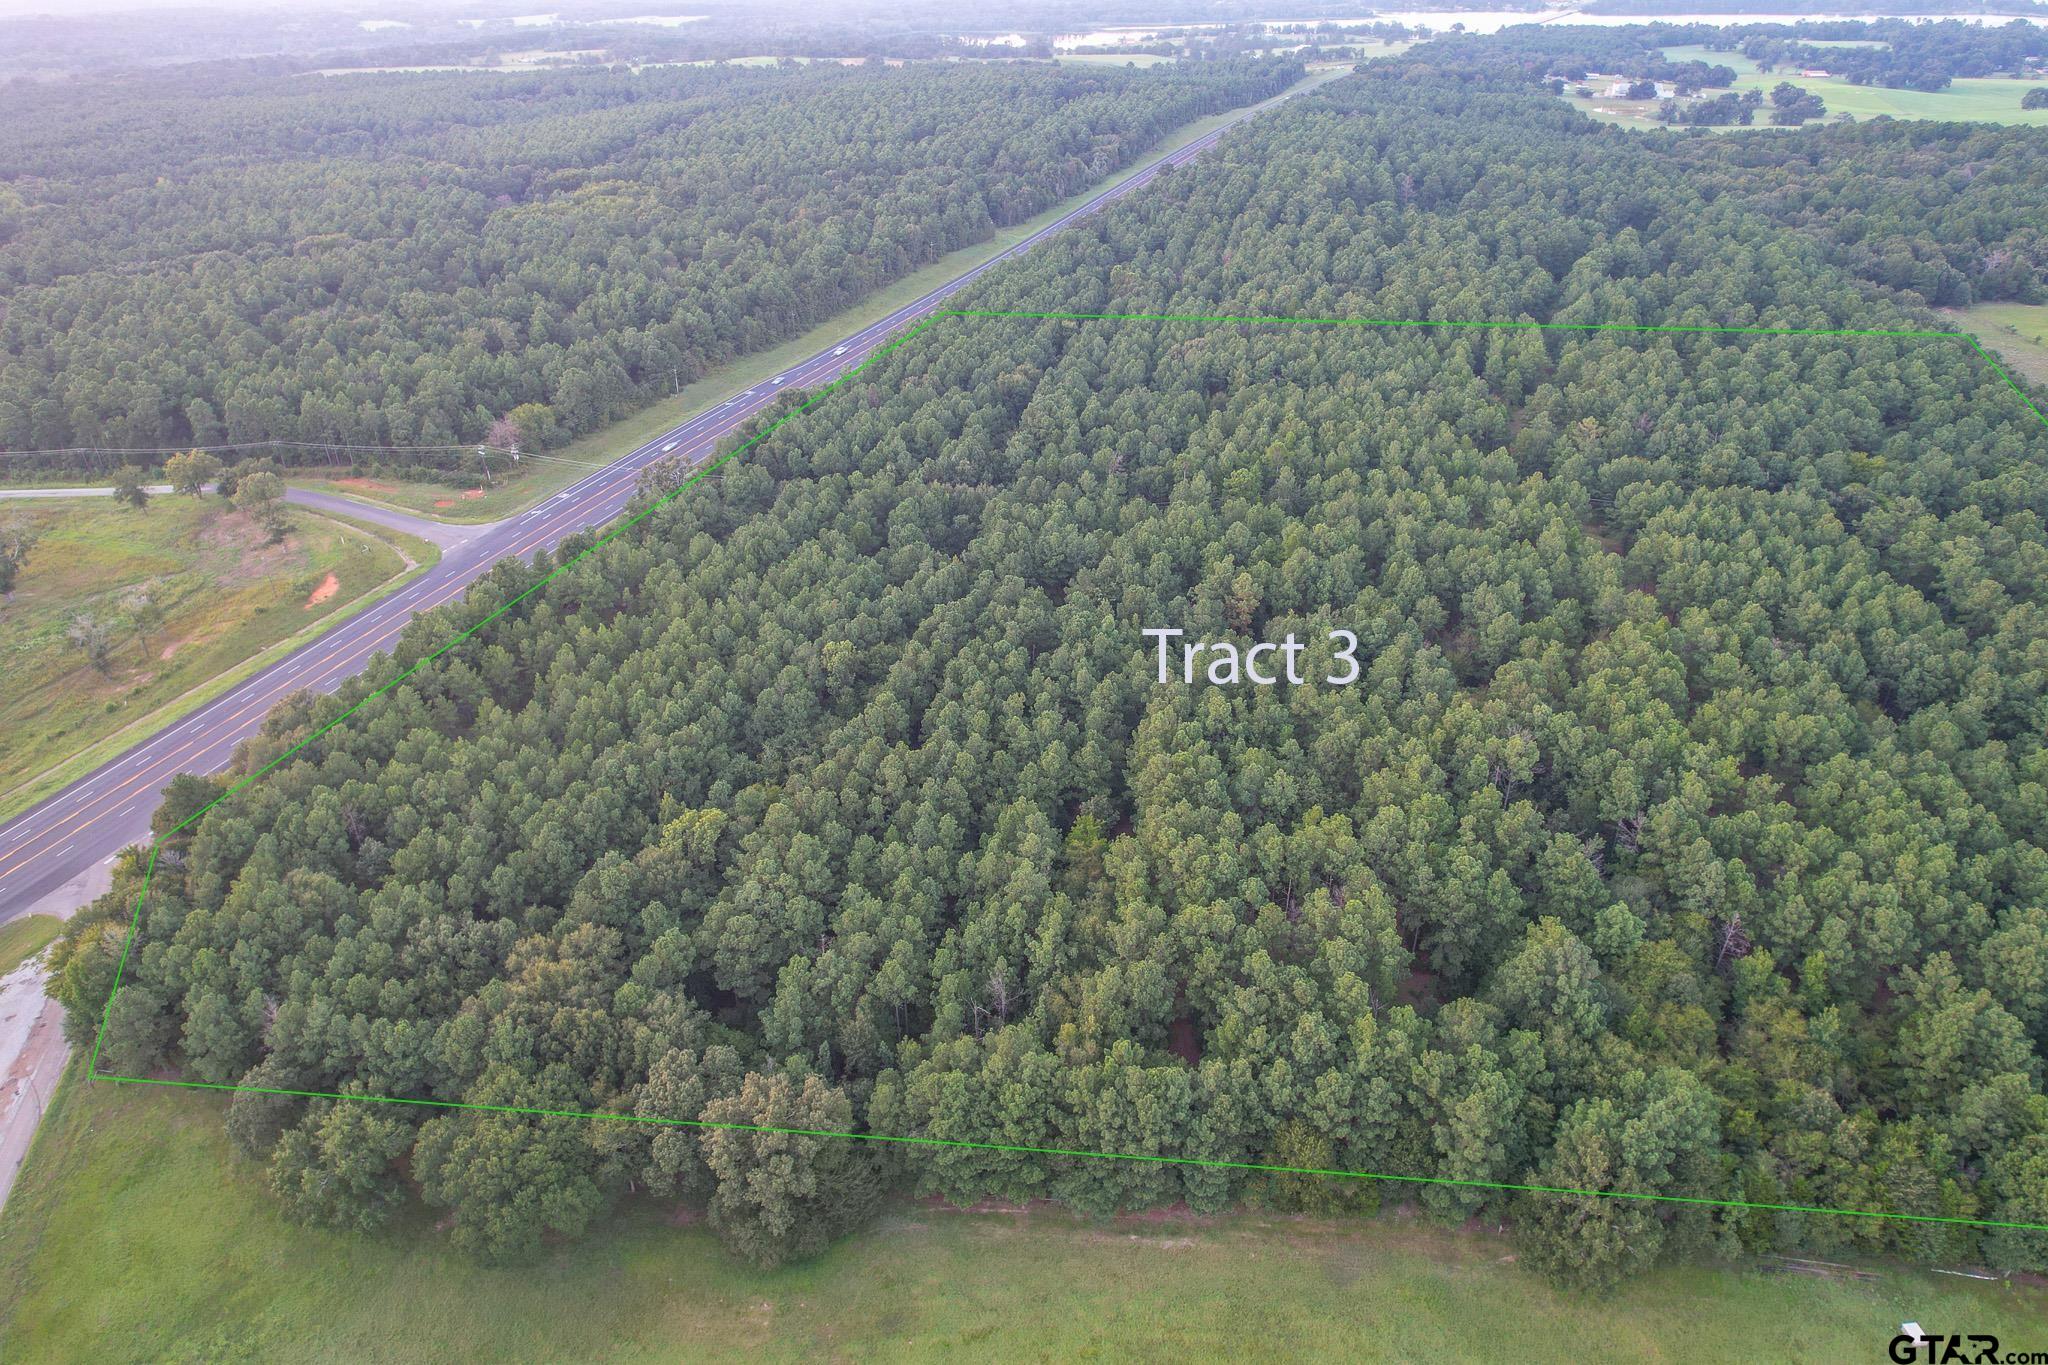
{"x": 135, "y": 1234}
{"x": 392, "y": 560}
{"x": 21, "y": 939}
{"x": 543, "y": 480}
{"x": 518, "y": 488}
{"x": 71, "y": 479}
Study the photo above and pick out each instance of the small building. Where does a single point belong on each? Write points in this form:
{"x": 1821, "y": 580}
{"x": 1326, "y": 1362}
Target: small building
{"x": 1816, "y": 72}
{"x": 1618, "y": 90}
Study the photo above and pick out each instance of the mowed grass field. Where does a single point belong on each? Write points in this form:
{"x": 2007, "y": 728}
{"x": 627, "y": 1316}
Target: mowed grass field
{"x": 2017, "y": 332}
{"x": 1988, "y": 99}
{"x": 225, "y": 596}
{"x": 1980, "y": 99}
{"x": 135, "y": 1234}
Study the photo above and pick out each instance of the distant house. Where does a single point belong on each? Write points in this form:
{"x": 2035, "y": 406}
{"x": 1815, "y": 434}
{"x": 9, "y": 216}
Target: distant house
{"x": 1618, "y": 90}
{"x": 1815, "y": 71}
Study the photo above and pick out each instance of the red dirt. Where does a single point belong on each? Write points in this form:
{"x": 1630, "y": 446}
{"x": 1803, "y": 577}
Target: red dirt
{"x": 444, "y": 502}
{"x": 473, "y": 493}
{"x": 367, "y": 485}
{"x": 329, "y": 586}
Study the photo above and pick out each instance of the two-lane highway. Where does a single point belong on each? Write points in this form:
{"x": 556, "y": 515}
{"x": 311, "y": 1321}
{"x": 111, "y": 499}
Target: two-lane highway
{"x": 93, "y": 819}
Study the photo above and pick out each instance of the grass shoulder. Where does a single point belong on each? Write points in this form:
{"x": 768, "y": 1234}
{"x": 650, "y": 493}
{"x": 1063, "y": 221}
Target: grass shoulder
{"x": 136, "y": 1186}
{"x": 463, "y": 500}
{"x": 22, "y": 938}
{"x": 223, "y": 603}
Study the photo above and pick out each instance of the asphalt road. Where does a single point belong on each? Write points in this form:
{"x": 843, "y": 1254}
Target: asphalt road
{"x": 49, "y": 846}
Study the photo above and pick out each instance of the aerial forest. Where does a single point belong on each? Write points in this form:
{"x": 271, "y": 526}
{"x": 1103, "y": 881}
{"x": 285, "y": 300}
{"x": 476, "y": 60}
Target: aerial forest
{"x": 400, "y": 260}
{"x": 1683, "y": 834}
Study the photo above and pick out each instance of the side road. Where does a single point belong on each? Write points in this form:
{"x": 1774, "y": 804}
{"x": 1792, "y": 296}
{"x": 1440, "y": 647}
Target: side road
{"x": 445, "y": 534}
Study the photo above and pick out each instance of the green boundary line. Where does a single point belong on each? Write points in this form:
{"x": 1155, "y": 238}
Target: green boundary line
{"x": 149, "y": 873}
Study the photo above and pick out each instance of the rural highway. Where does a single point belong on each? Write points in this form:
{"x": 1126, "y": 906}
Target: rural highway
{"x": 60, "y": 842}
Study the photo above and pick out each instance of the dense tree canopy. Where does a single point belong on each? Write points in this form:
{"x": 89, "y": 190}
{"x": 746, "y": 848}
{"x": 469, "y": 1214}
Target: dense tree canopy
{"x": 1686, "y": 832}
{"x": 399, "y": 260}
{"x": 1904, "y": 54}
{"x": 1948, "y": 211}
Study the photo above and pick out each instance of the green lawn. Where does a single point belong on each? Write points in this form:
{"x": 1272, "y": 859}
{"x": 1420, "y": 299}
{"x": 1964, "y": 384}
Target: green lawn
{"x": 1694, "y": 52}
{"x": 2018, "y": 332}
{"x": 133, "y": 1234}
{"x": 229, "y": 600}
{"x": 1988, "y": 99}
{"x": 534, "y": 481}
{"x": 21, "y": 939}
{"x": 45, "y": 478}
{"x": 1983, "y": 99}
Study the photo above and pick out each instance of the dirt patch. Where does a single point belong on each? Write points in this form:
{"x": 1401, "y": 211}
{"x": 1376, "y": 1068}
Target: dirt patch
{"x": 367, "y": 485}
{"x": 472, "y": 493}
{"x": 247, "y": 554}
{"x": 939, "y": 1204}
{"x": 1172, "y": 1213}
{"x": 329, "y": 586}
{"x": 444, "y": 502}
{"x": 683, "y": 1216}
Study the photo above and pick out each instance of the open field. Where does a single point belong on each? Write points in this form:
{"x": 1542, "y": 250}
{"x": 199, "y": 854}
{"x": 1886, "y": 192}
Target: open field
{"x": 536, "y": 480}
{"x": 1699, "y": 52}
{"x": 134, "y": 1234}
{"x": 2018, "y": 332}
{"x": 227, "y": 600}
{"x": 1985, "y": 99}
{"x": 1989, "y": 99}
{"x": 23, "y": 938}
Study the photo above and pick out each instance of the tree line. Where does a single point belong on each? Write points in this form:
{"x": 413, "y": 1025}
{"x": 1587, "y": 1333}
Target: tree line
{"x": 1944, "y": 212}
{"x": 1904, "y": 54}
{"x": 400, "y": 261}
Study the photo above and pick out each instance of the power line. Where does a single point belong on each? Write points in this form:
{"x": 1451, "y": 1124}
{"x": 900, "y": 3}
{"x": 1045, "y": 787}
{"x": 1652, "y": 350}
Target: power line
{"x": 337, "y": 446}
